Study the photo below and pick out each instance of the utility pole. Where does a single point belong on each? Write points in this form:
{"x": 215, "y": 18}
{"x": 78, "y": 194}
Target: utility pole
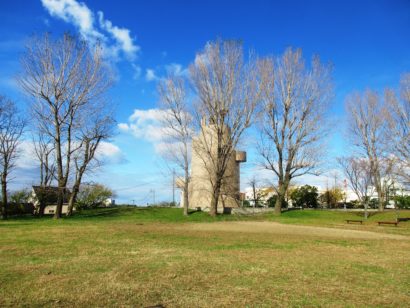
{"x": 173, "y": 187}
{"x": 152, "y": 191}
{"x": 345, "y": 186}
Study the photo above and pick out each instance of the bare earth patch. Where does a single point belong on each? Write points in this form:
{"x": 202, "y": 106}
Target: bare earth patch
{"x": 283, "y": 229}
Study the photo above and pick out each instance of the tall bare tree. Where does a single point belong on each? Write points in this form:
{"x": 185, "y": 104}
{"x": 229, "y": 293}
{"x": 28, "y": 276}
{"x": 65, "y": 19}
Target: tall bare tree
{"x": 62, "y": 76}
{"x": 295, "y": 99}
{"x": 367, "y": 129}
{"x": 257, "y": 194}
{"x": 11, "y": 129}
{"x": 357, "y": 171}
{"x": 227, "y": 90}
{"x": 178, "y": 127}
{"x": 44, "y": 152}
{"x": 399, "y": 127}
{"x": 97, "y": 125}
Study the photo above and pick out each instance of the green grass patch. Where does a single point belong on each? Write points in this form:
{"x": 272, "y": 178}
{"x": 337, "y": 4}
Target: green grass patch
{"x": 143, "y": 257}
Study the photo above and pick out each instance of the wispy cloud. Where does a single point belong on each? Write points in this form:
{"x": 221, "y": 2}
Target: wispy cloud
{"x": 147, "y": 125}
{"x": 176, "y": 69}
{"x": 121, "y": 35}
{"x": 161, "y": 72}
{"x": 136, "y": 71}
{"x": 150, "y": 75}
{"x": 117, "y": 41}
{"x": 110, "y": 153}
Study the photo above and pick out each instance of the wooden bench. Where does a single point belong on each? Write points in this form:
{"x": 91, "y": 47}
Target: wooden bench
{"x": 388, "y": 223}
{"x": 354, "y": 220}
{"x": 403, "y": 219}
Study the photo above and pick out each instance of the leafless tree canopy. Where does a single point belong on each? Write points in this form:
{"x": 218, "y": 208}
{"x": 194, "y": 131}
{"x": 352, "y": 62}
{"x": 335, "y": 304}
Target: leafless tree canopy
{"x": 367, "y": 130}
{"x": 359, "y": 176}
{"x": 62, "y": 77}
{"x": 178, "y": 126}
{"x": 295, "y": 100}
{"x": 11, "y": 129}
{"x": 399, "y": 127}
{"x": 227, "y": 90}
{"x": 44, "y": 151}
{"x": 96, "y": 126}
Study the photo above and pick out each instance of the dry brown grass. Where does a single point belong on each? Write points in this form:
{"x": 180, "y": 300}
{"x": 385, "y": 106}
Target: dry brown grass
{"x": 223, "y": 264}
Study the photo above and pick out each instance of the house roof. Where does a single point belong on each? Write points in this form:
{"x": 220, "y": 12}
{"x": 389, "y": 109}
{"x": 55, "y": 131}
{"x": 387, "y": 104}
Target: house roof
{"x": 50, "y": 194}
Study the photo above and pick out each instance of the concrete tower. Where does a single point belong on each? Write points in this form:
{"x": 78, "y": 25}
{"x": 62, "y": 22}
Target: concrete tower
{"x": 200, "y": 188}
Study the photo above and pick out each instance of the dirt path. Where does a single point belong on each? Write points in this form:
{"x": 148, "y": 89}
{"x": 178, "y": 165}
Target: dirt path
{"x": 278, "y": 228}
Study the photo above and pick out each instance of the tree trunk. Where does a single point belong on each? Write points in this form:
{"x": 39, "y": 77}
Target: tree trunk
{"x": 59, "y": 161}
{"x": 4, "y": 197}
{"x": 281, "y": 198}
{"x": 214, "y": 201}
{"x": 186, "y": 200}
{"x": 42, "y": 207}
{"x": 73, "y": 198}
{"x": 278, "y": 204}
{"x": 366, "y": 214}
{"x": 60, "y": 201}
{"x": 380, "y": 196}
{"x": 379, "y": 189}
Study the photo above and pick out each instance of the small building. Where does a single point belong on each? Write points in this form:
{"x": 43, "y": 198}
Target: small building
{"x": 49, "y": 195}
{"x": 262, "y": 194}
{"x": 108, "y": 202}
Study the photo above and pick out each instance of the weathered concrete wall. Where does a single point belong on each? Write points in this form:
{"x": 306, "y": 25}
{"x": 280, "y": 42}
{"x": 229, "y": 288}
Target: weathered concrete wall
{"x": 251, "y": 210}
{"x": 200, "y": 187}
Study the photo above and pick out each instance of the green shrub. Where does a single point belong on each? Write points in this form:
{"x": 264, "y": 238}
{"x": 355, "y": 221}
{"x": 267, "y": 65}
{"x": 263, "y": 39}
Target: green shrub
{"x": 403, "y": 202}
{"x": 305, "y": 196}
{"x": 272, "y": 201}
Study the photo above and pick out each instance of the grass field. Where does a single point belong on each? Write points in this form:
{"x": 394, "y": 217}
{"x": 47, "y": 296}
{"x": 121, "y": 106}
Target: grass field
{"x": 144, "y": 257}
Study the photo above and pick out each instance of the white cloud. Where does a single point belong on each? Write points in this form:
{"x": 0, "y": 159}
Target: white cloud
{"x": 137, "y": 71}
{"x": 73, "y": 12}
{"x": 110, "y": 153}
{"x": 115, "y": 40}
{"x": 175, "y": 69}
{"x": 123, "y": 126}
{"x": 121, "y": 35}
{"x": 27, "y": 157}
{"x": 146, "y": 125}
{"x": 150, "y": 75}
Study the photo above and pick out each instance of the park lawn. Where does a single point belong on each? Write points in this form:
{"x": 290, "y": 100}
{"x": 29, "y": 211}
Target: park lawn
{"x": 143, "y": 257}
{"x": 338, "y": 219}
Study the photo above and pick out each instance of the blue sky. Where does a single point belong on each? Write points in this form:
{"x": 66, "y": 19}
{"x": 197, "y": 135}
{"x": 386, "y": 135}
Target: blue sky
{"x": 368, "y": 43}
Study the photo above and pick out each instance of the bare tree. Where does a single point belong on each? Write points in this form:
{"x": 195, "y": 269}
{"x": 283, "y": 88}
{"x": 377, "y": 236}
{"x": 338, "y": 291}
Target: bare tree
{"x": 11, "y": 129}
{"x": 256, "y": 193}
{"x": 178, "y": 127}
{"x": 367, "y": 129}
{"x": 62, "y": 76}
{"x": 399, "y": 127}
{"x": 44, "y": 152}
{"x": 295, "y": 99}
{"x": 227, "y": 91}
{"x": 357, "y": 171}
{"x": 97, "y": 125}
